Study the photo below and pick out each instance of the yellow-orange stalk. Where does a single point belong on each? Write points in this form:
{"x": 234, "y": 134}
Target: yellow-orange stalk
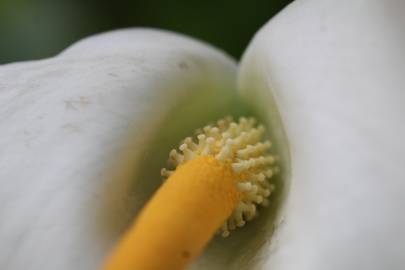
{"x": 180, "y": 219}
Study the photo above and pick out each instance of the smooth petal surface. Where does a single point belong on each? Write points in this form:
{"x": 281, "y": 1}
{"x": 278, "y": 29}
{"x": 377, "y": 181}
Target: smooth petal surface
{"x": 336, "y": 70}
{"x": 84, "y": 135}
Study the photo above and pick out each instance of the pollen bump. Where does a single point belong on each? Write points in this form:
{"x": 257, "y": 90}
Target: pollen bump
{"x": 240, "y": 145}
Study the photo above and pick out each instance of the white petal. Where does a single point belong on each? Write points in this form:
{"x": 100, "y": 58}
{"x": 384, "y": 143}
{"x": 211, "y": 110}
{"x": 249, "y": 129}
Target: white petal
{"x": 336, "y": 70}
{"x": 84, "y": 135}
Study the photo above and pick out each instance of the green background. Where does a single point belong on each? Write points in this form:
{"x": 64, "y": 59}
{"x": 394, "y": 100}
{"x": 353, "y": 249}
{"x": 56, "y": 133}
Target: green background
{"x": 33, "y": 29}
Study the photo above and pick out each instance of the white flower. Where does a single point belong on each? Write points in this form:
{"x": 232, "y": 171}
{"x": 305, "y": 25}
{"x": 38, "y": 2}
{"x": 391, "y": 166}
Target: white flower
{"x": 84, "y": 134}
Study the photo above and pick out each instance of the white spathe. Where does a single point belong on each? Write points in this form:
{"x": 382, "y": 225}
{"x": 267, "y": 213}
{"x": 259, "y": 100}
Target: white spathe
{"x": 337, "y": 73}
{"x": 79, "y": 129}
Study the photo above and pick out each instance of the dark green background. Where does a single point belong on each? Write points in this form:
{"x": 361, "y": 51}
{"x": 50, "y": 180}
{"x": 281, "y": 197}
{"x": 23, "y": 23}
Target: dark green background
{"x": 32, "y": 29}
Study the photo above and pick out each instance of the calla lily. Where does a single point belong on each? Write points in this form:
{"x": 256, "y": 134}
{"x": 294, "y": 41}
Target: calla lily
{"x": 84, "y": 135}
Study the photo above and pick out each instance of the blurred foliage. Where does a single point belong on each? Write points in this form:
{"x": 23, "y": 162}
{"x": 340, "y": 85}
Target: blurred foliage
{"x": 32, "y": 29}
